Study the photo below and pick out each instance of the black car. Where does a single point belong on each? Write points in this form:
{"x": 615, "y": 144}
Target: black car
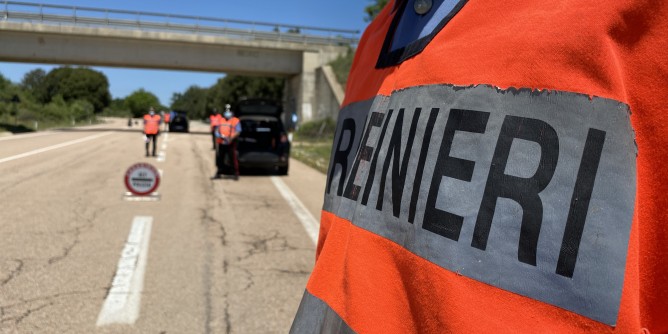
{"x": 178, "y": 122}
{"x": 263, "y": 142}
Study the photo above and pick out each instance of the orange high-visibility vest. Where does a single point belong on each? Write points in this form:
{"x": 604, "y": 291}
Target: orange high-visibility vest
{"x": 151, "y": 124}
{"x": 168, "y": 116}
{"x": 214, "y": 120}
{"x": 505, "y": 174}
{"x": 227, "y": 127}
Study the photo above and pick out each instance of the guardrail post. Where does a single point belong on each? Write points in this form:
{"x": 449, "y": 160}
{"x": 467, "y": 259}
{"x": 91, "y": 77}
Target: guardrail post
{"x": 74, "y": 11}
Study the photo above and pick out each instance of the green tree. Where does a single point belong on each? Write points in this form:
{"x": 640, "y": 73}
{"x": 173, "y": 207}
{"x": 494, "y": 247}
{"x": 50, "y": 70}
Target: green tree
{"x": 4, "y": 82}
{"x": 76, "y": 84}
{"x": 117, "y": 108}
{"x": 140, "y": 101}
{"x": 117, "y": 104}
{"x": 193, "y": 101}
{"x": 57, "y": 109}
{"x": 233, "y": 88}
{"x": 33, "y": 81}
{"x": 373, "y": 9}
{"x": 4, "y": 102}
{"x": 10, "y": 97}
{"x": 81, "y": 110}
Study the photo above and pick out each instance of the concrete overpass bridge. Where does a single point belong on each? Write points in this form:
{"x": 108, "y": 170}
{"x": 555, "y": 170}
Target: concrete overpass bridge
{"x": 37, "y": 33}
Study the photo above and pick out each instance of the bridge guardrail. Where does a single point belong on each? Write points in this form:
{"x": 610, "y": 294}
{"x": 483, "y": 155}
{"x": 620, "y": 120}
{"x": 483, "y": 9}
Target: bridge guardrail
{"x": 239, "y": 29}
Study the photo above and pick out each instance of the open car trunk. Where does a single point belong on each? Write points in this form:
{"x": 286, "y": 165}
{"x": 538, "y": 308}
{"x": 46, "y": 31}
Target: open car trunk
{"x": 260, "y": 133}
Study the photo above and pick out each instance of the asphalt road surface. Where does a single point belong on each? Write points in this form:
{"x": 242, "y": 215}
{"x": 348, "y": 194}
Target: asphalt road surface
{"x": 210, "y": 256}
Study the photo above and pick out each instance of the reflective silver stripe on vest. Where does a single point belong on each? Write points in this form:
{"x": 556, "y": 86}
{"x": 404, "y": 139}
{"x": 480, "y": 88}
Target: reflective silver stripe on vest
{"x": 314, "y": 316}
{"x": 531, "y": 192}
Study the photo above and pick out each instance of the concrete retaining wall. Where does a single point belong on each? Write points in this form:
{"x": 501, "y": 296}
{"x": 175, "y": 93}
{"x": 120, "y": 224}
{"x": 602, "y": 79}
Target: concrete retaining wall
{"x": 329, "y": 94}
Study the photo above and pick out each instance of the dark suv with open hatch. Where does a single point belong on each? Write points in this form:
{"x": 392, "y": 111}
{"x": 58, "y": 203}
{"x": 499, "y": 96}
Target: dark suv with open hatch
{"x": 263, "y": 142}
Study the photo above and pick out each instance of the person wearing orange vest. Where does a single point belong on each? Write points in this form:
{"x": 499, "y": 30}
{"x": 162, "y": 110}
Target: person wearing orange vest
{"x": 214, "y": 121}
{"x": 151, "y": 129}
{"x": 226, "y": 138}
{"x": 499, "y": 167}
{"x": 167, "y": 116}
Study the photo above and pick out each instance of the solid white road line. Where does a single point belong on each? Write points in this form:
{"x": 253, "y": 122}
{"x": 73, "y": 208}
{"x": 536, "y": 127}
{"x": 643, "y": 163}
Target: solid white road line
{"x": 310, "y": 224}
{"x": 54, "y": 147}
{"x": 124, "y": 299}
{"x": 164, "y": 142}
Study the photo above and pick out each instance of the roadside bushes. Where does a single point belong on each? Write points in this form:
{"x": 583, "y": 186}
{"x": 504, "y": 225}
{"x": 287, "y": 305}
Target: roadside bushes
{"x": 312, "y": 143}
{"x": 316, "y": 130}
{"x": 32, "y": 115}
{"x": 65, "y": 96}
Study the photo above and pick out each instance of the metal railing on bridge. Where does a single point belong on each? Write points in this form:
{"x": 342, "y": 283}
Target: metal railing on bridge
{"x": 149, "y": 21}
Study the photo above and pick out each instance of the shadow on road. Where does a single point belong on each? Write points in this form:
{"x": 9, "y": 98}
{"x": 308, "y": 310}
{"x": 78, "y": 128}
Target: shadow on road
{"x": 15, "y": 128}
{"x": 250, "y": 172}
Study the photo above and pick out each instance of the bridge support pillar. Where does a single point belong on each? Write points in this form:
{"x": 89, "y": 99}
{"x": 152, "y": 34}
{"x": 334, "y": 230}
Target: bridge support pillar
{"x": 301, "y": 88}
{"x": 314, "y": 93}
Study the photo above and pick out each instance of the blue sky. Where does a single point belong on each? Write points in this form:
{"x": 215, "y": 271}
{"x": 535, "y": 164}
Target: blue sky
{"x": 340, "y": 14}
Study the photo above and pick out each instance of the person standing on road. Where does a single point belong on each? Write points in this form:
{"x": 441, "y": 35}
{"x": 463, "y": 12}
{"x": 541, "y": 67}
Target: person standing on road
{"x": 499, "y": 167}
{"x": 227, "y": 133}
{"x": 151, "y": 130}
{"x": 214, "y": 121}
{"x": 167, "y": 117}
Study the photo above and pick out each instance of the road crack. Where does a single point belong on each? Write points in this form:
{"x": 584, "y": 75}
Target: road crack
{"x": 13, "y": 272}
{"x": 21, "y": 310}
{"x": 291, "y": 272}
{"x": 273, "y": 242}
{"x": 88, "y": 223}
{"x": 27, "y": 313}
{"x": 209, "y": 222}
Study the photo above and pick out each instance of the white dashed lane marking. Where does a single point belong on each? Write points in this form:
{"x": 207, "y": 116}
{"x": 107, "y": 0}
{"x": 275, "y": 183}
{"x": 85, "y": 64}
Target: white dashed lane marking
{"x": 124, "y": 299}
{"x": 162, "y": 155}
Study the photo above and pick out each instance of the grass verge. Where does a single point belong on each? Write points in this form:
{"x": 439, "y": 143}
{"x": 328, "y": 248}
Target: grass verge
{"x": 313, "y": 153}
{"x": 312, "y": 143}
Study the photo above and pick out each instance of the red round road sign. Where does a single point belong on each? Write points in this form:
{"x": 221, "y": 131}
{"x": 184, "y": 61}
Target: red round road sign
{"x": 142, "y": 179}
